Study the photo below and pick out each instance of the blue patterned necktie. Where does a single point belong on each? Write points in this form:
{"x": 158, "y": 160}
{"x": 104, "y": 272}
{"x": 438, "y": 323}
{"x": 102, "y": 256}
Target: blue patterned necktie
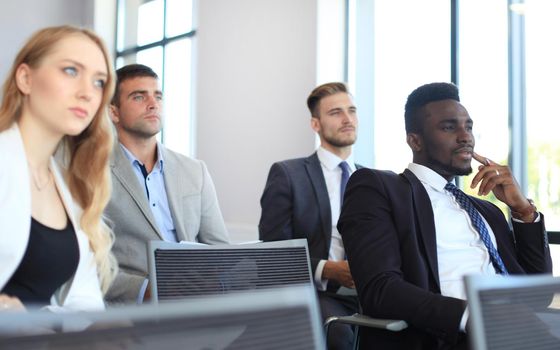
{"x": 343, "y": 179}
{"x": 477, "y": 222}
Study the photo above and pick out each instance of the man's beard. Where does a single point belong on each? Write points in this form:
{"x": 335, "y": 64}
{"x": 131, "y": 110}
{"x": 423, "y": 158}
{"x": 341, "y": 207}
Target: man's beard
{"x": 449, "y": 169}
{"x": 337, "y": 142}
{"x": 141, "y": 131}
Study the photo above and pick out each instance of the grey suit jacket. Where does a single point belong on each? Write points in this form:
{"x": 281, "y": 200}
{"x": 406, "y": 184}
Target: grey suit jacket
{"x": 194, "y": 209}
{"x": 295, "y": 204}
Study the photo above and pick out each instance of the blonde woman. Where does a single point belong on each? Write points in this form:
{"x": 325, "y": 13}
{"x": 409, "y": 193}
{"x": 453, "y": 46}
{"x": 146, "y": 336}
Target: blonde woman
{"x": 55, "y": 250}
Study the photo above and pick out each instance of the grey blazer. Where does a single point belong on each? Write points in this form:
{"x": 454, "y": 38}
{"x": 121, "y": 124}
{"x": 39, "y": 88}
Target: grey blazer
{"x": 194, "y": 209}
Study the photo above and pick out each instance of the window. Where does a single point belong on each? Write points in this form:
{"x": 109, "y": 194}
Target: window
{"x": 408, "y": 50}
{"x": 483, "y": 79}
{"x": 158, "y": 33}
{"x": 542, "y": 55}
{"x": 503, "y": 55}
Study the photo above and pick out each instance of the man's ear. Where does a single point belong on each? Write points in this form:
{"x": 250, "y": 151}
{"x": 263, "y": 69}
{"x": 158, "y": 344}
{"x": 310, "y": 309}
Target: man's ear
{"x": 415, "y": 142}
{"x": 315, "y": 125}
{"x": 24, "y": 79}
{"x": 114, "y": 113}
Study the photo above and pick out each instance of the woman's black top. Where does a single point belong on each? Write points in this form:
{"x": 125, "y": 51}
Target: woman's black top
{"x": 50, "y": 260}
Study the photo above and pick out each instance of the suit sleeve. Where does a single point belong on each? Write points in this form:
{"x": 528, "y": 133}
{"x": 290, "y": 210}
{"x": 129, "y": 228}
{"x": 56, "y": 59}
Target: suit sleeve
{"x": 531, "y": 244}
{"x": 276, "y": 206}
{"x": 212, "y": 227}
{"x": 526, "y": 249}
{"x": 276, "y": 222}
{"x": 377, "y": 252}
{"x": 126, "y": 287}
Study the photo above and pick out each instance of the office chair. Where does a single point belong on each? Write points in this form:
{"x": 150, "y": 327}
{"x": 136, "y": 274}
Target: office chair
{"x": 253, "y": 320}
{"x": 513, "y": 312}
{"x": 360, "y": 320}
{"x": 179, "y": 270}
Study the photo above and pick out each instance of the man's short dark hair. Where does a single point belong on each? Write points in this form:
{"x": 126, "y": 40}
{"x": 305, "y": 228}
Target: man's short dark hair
{"x": 420, "y": 97}
{"x": 128, "y": 72}
{"x": 321, "y": 92}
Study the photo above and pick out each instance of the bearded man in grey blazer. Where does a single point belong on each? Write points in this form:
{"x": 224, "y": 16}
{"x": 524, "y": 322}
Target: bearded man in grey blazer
{"x": 157, "y": 194}
{"x": 302, "y": 199}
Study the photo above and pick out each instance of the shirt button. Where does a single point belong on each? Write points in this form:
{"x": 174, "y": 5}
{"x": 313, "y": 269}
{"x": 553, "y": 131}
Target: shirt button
{"x": 153, "y": 204}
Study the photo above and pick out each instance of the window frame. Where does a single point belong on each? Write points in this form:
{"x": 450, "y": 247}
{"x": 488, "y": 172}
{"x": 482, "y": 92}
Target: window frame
{"x": 166, "y": 40}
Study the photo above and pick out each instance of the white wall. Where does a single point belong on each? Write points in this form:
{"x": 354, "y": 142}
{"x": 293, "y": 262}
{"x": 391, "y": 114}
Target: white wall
{"x": 105, "y": 21}
{"x": 20, "y": 18}
{"x": 255, "y": 66}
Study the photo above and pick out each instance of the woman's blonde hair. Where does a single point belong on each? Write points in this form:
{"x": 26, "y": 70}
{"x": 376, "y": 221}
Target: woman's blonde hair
{"x": 87, "y": 153}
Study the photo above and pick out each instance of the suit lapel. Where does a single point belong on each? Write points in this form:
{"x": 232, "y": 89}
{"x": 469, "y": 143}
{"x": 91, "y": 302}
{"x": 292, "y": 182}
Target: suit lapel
{"x": 315, "y": 173}
{"x": 175, "y": 187}
{"x": 502, "y": 240}
{"x": 425, "y": 222}
{"x": 123, "y": 172}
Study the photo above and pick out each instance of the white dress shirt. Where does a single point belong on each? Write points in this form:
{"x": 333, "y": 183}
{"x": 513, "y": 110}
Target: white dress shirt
{"x": 460, "y": 251}
{"x": 332, "y": 173}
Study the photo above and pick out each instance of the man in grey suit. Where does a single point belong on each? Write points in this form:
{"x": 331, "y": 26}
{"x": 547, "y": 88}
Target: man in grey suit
{"x": 302, "y": 199}
{"x": 157, "y": 194}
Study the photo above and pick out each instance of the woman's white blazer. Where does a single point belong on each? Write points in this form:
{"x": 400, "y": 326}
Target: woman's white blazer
{"x": 82, "y": 292}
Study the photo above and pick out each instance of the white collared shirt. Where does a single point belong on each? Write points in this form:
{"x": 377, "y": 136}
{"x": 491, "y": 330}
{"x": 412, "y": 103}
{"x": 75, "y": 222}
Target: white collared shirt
{"x": 332, "y": 173}
{"x": 460, "y": 251}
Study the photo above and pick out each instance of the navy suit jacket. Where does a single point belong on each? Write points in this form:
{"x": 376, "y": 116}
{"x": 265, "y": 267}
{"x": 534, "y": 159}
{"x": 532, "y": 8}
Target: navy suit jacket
{"x": 387, "y": 226}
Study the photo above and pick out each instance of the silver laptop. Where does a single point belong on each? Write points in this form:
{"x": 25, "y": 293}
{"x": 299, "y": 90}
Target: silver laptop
{"x": 285, "y": 318}
{"x": 514, "y": 312}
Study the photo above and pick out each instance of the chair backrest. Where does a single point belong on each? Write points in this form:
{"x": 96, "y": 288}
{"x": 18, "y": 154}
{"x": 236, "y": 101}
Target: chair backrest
{"x": 514, "y": 312}
{"x": 182, "y": 270}
{"x": 284, "y": 318}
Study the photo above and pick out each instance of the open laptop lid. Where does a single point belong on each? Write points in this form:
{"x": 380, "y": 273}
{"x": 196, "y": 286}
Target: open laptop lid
{"x": 513, "y": 312}
{"x": 286, "y": 318}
